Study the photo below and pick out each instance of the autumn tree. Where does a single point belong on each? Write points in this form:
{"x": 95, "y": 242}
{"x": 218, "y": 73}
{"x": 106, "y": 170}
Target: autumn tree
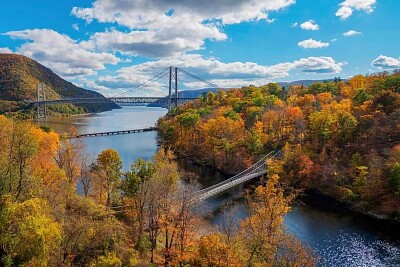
{"x": 136, "y": 188}
{"x": 29, "y": 235}
{"x": 263, "y": 233}
{"x": 89, "y": 232}
{"x": 19, "y": 146}
{"x": 108, "y": 171}
{"x": 69, "y": 157}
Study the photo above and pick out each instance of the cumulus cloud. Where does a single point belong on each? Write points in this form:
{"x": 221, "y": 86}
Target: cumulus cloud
{"x": 61, "y": 53}
{"x": 349, "y": 6}
{"x": 351, "y": 33}
{"x": 150, "y": 13}
{"x": 153, "y": 43}
{"x": 232, "y": 74}
{"x": 311, "y": 43}
{"x": 294, "y": 25}
{"x": 385, "y": 62}
{"x": 5, "y": 50}
{"x": 75, "y": 27}
{"x": 160, "y": 28}
{"x": 309, "y": 25}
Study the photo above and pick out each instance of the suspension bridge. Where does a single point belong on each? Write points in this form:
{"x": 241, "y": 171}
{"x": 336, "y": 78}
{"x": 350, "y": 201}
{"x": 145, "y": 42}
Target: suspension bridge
{"x": 171, "y": 100}
{"x": 256, "y": 170}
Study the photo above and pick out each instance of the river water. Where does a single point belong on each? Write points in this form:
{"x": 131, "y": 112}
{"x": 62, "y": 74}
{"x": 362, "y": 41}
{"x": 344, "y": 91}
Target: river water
{"x": 340, "y": 238}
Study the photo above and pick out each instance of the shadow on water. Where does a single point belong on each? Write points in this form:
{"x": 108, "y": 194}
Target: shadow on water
{"x": 340, "y": 237}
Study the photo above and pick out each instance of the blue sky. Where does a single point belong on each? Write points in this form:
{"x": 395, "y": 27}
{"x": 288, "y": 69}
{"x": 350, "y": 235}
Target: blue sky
{"x": 111, "y": 46}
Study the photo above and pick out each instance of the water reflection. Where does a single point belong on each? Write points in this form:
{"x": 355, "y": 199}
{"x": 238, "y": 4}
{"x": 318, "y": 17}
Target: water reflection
{"x": 130, "y": 146}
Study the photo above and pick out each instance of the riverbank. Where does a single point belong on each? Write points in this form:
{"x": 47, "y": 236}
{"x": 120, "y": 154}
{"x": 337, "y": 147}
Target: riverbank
{"x": 322, "y": 201}
{"x": 317, "y": 195}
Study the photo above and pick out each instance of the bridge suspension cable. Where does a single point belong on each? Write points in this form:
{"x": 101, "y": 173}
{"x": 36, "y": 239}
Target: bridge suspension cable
{"x": 213, "y": 85}
{"x": 150, "y": 81}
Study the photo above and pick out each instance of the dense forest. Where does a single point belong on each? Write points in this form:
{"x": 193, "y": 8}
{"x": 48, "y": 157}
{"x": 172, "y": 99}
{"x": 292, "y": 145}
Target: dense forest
{"x": 19, "y": 77}
{"x": 147, "y": 216}
{"x": 339, "y": 138}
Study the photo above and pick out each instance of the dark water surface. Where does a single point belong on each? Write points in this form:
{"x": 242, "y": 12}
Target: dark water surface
{"x": 340, "y": 238}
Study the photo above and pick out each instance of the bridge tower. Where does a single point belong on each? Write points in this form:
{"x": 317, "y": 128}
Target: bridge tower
{"x": 41, "y": 96}
{"x": 173, "y": 85}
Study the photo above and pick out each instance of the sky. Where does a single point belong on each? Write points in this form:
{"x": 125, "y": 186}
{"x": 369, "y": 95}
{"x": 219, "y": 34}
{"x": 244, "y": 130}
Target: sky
{"x": 115, "y": 45}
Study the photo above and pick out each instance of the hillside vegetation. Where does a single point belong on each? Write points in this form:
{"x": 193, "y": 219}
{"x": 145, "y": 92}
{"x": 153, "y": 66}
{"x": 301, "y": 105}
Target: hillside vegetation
{"x": 340, "y": 138}
{"x": 143, "y": 217}
{"x": 19, "y": 77}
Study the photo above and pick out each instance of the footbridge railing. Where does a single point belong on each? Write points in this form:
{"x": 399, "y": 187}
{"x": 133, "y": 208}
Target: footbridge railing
{"x": 256, "y": 170}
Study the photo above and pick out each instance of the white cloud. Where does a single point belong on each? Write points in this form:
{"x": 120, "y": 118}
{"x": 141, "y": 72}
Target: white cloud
{"x": 61, "y": 53}
{"x": 154, "y": 43}
{"x": 75, "y": 27}
{"x": 351, "y": 33}
{"x": 311, "y": 43}
{"x": 160, "y": 28}
{"x": 309, "y": 25}
{"x": 150, "y": 13}
{"x": 349, "y": 6}
{"x": 334, "y": 40}
{"x": 384, "y": 62}
{"x": 5, "y": 50}
{"x": 294, "y": 25}
{"x": 231, "y": 74}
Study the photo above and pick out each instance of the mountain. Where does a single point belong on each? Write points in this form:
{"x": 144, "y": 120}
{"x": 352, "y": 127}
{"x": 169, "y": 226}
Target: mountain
{"x": 19, "y": 77}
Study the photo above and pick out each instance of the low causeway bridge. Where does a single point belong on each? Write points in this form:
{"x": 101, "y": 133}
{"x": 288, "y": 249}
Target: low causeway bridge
{"x": 149, "y": 129}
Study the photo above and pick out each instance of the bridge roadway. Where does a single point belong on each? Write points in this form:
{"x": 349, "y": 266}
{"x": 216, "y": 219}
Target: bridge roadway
{"x": 121, "y": 100}
{"x": 256, "y": 170}
{"x": 115, "y": 132}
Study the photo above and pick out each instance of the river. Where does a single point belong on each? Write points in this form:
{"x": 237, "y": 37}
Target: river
{"x": 340, "y": 238}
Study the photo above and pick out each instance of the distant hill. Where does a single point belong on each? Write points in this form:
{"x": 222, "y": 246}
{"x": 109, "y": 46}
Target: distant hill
{"x": 198, "y": 92}
{"x": 19, "y": 77}
{"x": 304, "y": 82}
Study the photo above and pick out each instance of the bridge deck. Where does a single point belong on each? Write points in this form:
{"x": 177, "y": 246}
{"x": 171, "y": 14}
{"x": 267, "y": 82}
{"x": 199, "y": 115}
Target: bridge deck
{"x": 215, "y": 191}
{"x": 256, "y": 170}
{"x": 121, "y": 100}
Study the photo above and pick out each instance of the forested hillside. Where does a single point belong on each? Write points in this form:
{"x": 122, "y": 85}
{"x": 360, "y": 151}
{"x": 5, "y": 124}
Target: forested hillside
{"x": 340, "y": 138}
{"x": 146, "y": 216}
{"x": 19, "y": 77}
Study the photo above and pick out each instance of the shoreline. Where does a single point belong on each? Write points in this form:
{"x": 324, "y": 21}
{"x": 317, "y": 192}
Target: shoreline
{"x": 313, "y": 193}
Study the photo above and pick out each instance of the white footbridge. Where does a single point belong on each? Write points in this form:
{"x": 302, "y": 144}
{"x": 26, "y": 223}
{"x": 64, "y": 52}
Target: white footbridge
{"x": 256, "y": 170}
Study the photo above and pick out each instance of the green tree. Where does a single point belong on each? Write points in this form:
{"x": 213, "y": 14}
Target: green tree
{"x": 108, "y": 168}
{"x": 320, "y": 122}
{"x": 394, "y": 178}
